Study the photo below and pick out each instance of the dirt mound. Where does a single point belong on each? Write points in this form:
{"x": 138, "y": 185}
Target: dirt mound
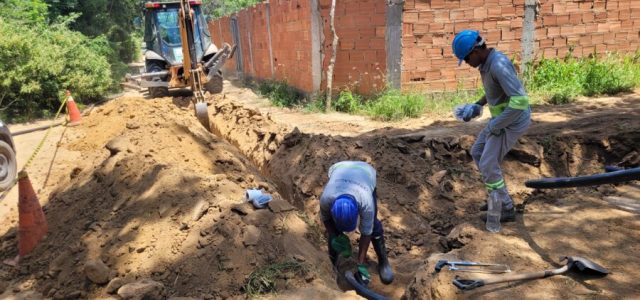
{"x": 156, "y": 196}
{"x": 159, "y": 201}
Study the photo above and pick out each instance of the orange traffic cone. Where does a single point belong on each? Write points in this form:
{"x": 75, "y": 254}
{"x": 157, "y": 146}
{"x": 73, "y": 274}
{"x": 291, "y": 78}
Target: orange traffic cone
{"x": 32, "y": 224}
{"x": 72, "y": 110}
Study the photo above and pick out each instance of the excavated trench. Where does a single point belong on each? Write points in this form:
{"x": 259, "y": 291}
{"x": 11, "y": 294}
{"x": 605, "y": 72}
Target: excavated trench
{"x": 164, "y": 202}
{"x": 428, "y": 184}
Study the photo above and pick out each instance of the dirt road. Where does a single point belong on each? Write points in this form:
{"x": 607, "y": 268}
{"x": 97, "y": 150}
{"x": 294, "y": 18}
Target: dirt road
{"x": 143, "y": 190}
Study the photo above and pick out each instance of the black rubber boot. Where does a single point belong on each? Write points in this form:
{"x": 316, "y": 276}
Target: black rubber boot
{"x": 384, "y": 268}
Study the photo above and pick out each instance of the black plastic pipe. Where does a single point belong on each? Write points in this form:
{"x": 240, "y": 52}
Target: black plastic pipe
{"x": 597, "y": 179}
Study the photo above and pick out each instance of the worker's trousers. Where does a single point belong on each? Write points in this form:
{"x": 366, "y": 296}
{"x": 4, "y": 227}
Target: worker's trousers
{"x": 488, "y": 152}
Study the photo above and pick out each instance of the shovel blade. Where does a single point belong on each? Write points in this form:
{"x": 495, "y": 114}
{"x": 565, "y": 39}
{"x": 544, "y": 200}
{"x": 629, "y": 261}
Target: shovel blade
{"x": 586, "y": 265}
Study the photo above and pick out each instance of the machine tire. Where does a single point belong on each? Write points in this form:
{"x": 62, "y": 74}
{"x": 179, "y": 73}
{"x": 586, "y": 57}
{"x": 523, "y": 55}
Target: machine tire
{"x": 8, "y": 166}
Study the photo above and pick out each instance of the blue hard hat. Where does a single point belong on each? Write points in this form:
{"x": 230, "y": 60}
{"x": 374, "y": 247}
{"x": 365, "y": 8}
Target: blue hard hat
{"x": 465, "y": 42}
{"x": 345, "y": 213}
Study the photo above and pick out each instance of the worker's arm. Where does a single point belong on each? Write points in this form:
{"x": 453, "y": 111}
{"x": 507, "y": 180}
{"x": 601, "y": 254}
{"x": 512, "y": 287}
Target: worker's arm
{"x": 482, "y": 101}
{"x": 363, "y": 247}
{"x": 505, "y": 74}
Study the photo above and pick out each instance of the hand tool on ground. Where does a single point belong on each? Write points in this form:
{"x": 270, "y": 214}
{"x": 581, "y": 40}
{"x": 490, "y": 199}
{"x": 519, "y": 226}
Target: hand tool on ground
{"x": 470, "y": 266}
{"x": 580, "y": 264}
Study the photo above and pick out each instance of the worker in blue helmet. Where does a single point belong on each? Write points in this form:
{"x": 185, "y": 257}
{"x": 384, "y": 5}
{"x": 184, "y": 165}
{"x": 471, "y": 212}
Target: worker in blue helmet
{"x": 348, "y": 197}
{"x": 510, "y": 112}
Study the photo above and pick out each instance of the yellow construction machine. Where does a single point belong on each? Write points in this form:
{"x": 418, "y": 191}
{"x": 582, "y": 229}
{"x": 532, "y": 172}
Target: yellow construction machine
{"x": 179, "y": 53}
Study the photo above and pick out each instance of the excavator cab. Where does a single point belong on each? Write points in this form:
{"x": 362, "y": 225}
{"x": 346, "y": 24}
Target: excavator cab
{"x": 179, "y": 53}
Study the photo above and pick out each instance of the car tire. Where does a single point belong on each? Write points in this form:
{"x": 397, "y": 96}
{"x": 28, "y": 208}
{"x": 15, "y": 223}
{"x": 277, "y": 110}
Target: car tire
{"x": 8, "y": 166}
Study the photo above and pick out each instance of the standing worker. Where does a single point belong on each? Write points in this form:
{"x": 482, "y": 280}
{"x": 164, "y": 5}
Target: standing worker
{"x": 351, "y": 194}
{"x": 510, "y": 113}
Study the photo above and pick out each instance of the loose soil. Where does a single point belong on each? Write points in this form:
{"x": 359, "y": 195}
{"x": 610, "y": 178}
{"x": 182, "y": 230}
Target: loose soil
{"x": 143, "y": 188}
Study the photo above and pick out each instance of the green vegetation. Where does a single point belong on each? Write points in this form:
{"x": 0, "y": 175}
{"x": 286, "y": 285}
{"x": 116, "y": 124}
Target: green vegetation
{"x": 263, "y": 280}
{"x": 219, "y": 8}
{"x": 280, "y": 93}
{"x": 559, "y": 81}
{"x": 48, "y": 46}
{"x": 553, "y": 81}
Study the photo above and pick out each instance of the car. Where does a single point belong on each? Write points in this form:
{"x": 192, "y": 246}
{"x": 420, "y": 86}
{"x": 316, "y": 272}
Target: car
{"x": 8, "y": 165}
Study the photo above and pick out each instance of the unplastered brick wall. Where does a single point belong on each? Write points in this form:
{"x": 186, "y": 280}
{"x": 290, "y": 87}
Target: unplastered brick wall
{"x": 587, "y": 27}
{"x": 581, "y": 26}
{"x": 290, "y": 55}
{"x": 361, "y": 56}
{"x": 428, "y": 63}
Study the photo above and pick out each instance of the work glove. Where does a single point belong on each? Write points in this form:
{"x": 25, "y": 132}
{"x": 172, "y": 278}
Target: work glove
{"x": 466, "y": 112}
{"x": 362, "y": 275}
{"x": 342, "y": 245}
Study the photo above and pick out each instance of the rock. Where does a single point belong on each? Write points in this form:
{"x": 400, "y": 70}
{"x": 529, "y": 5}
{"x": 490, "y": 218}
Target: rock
{"x": 74, "y": 295}
{"x": 118, "y": 144}
{"x": 279, "y": 205}
{"x": 430, "y": 285}
{"x": 97, "y": 271}
{"x": 115, "y": 284}
{"x": 414, "y": 138}
{"x": 436, "y": 178}
{"x": 527, "y": 152}
{"x": 132, "y": 125}
{"x": 183, "y": 298}
{"x": 461, "y": 235}
{"x": 184, "y": 226}
{"x": 466, "y": 142}
{"x": 146, "y": 289}
{"x": 402, "y": 148}
{"x": 199, "y": 210}
{"x": 427, "y": 154}
{"x": 242, "y": 209}
{"x": 251, "y": 236}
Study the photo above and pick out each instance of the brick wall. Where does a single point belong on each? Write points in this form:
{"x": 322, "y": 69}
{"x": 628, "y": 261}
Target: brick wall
{"x": 586, "y": 26}
{"x": 428, "y": 29}
{"x": 361, "y": 55}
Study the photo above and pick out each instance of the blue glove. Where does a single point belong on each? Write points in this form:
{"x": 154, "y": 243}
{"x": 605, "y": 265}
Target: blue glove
{"x": 466, "y": 112}
{"x": 471, "y": 111}
{"x": 362, "y": 275}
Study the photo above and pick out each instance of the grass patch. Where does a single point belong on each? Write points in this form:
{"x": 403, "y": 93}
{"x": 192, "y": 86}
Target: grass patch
{"x": 263, "y": 280}
{"x": 394, "y": 105}
{"x": 560, "y": 81}
{"x": 280, "y": 93}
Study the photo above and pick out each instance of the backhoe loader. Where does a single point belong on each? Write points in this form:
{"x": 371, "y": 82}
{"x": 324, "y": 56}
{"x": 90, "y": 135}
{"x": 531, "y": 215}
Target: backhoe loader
{"x": 179, "y": 53}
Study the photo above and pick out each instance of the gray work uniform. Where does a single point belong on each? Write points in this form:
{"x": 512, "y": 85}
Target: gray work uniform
{"x": 510, "y": 117}
{"x": 355, "y": 178}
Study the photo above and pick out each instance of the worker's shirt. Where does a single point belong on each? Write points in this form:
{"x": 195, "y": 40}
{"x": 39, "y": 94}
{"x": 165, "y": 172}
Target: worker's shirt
{"x": 507, "y": 99}
{"x": 355, "y": 178}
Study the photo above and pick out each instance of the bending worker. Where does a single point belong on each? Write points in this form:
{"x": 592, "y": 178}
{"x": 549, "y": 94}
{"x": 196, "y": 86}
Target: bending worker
{"x": 350, "y": 195}
{"x": 509, "y": 107}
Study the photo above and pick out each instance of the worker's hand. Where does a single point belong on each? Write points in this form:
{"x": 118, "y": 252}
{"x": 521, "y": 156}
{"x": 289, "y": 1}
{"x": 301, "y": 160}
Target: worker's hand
{"x": 342, "y": 245}
{"x": 362, "y": 274}
{"x": 468, "y": 111}
{"x": 493, "y": 130}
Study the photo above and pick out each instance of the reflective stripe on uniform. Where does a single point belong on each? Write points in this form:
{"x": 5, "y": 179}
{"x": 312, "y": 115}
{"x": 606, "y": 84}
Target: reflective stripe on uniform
{"x": 495, "y": 185}
{"x": 519, "y": 102}
{"x": 496, "y": 110}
